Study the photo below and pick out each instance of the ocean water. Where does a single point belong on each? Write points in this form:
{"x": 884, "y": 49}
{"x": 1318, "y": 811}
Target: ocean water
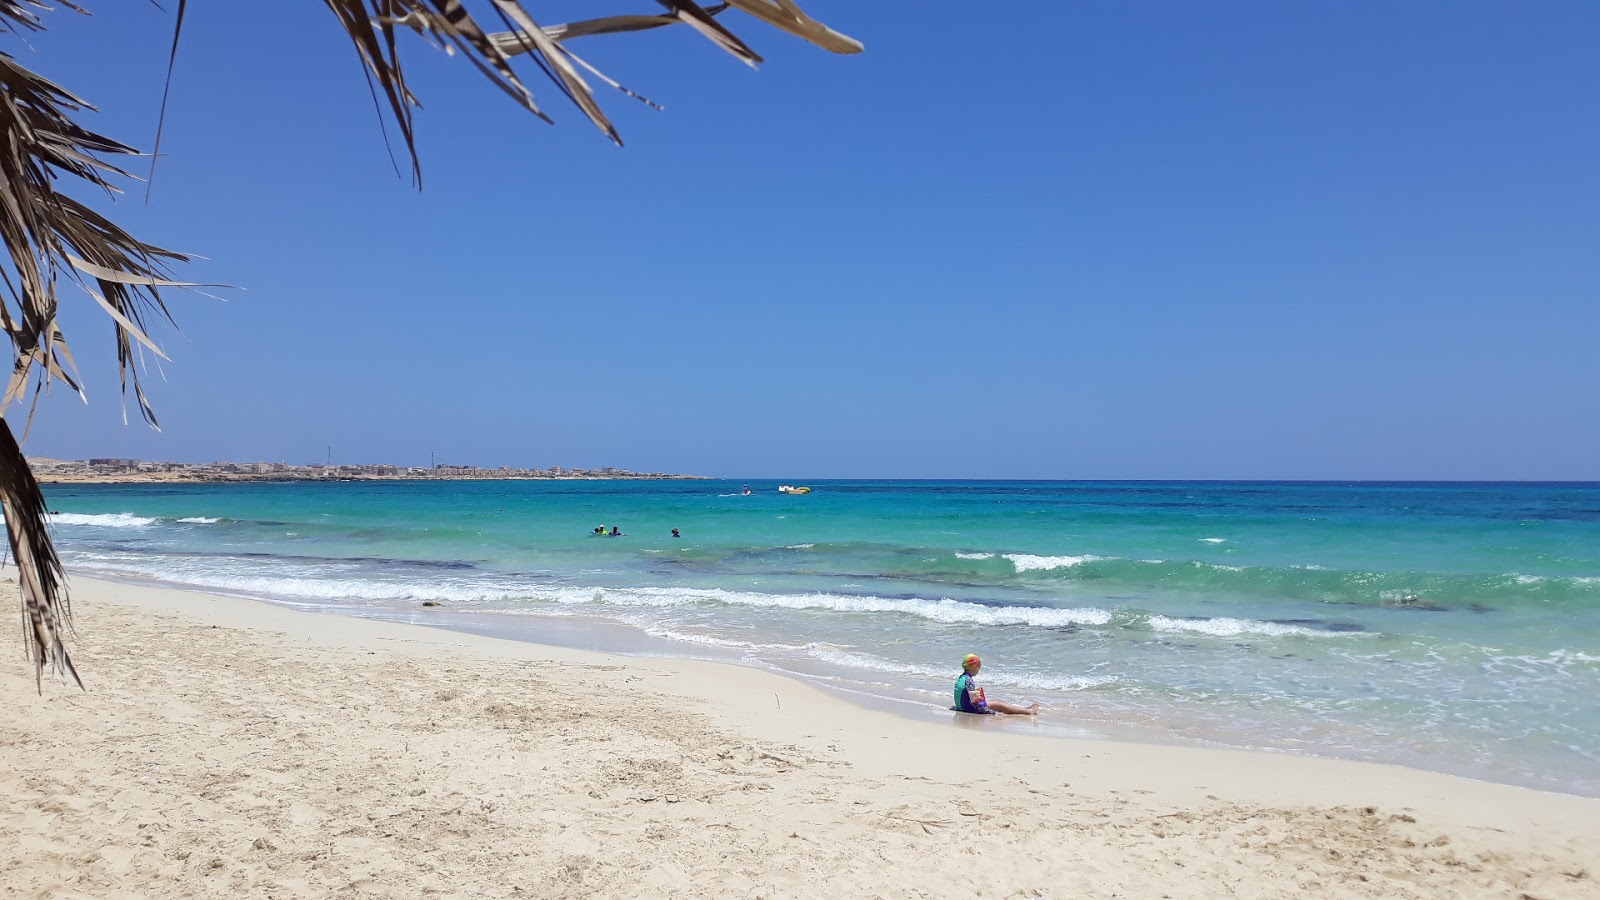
{"x": 1452, "y": 627}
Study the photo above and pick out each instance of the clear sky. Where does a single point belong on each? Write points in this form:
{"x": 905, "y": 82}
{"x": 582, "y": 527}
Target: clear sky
{"x": 1012, "y": 240}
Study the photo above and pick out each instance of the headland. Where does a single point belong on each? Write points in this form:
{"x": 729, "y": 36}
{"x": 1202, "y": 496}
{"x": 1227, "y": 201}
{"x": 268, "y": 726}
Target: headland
{"x": 135, "y": 471}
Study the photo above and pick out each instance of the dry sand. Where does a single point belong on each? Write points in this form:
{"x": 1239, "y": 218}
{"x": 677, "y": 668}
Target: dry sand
{"x": 227, "y": 748}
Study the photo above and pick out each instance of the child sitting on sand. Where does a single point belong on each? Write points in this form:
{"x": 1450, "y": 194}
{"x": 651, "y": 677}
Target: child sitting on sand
{"x": 970, "y": 698}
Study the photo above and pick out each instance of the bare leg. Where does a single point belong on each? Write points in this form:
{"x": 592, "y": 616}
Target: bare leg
{"x": 1012, "y": 709}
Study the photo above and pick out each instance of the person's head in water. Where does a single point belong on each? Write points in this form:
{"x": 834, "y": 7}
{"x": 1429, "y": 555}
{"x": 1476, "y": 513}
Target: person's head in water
{"x": 600, "y": 530}
{"x": 675, "y": 533}
{"x": 971, "y": 663}
{"x": 615, "y": 531}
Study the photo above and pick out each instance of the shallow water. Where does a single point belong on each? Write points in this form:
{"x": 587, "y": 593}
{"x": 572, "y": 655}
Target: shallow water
{"x": 1453, "y": 627}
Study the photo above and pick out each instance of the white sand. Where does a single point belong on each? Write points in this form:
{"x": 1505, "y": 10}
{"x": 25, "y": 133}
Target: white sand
{"x": 227, "y": 748}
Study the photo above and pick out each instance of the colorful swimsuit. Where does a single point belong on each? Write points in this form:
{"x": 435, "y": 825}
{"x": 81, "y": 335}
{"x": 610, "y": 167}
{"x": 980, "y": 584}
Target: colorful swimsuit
{"x": 969, "y": 696}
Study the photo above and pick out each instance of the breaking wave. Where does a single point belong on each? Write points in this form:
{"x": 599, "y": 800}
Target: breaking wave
{"x": 103, "y": 520}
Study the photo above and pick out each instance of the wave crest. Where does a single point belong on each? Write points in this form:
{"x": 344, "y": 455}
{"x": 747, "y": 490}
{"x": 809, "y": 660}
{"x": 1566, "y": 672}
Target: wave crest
{"x": 945, "y": 611}
{"x": 1027, "y": 562}
{"x": 839, "y": 656}
{"x": 1230, "y": 627}
{"x": 103, "y": 520}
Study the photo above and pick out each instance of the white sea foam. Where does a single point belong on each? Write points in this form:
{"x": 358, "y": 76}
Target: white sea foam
{"x": 355, "y": 589}
{"x": 1228, "y": 627}
{"x": 199, "y": 520}
{"x": 1579, "y": 580}
{"x": 1056, "y": 682}
{"x": 799, "y": 546}
{"x": 313, "y": 587}
{"x": 690, "y": 637}
{"x": 1027, "y": 562}
{"x": 837, "y": 656}
{"x": 1215, "y": 540}
{"x": 946, "y": 611}
{"x": 974, "y": 556}
{"x": 103, "y": 520}
{"x": 1558, "y": 660}
{"x": 318, "y": 588}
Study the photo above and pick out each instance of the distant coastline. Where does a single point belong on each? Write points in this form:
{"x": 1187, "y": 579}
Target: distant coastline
{"x": 134, "y": 471}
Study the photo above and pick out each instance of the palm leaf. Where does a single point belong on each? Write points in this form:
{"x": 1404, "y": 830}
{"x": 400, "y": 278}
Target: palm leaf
{"x": 51, "y": 238}
{"x": 46, "y": 231}
{"x": 46, "y": 611}
{"x": 783, "y": 14}
{"x": 370, "y": 25}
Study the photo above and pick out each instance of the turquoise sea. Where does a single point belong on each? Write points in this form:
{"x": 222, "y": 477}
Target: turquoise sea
{"x": 1452, "y": 627}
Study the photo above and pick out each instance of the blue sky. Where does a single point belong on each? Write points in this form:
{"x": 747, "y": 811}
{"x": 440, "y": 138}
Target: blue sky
{"x": 1020, "y": 240}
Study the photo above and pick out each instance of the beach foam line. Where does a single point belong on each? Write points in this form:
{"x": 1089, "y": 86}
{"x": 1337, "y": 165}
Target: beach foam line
{"x": 1577, "y": 580}
{"x": 843, "y": 658}
{"x": 103, "y": 520}
{"x": 690, "y": 637}
{"x": 945, "y": 610}
{"x": 123, "y": 520}
{"x": 317, "y": 588}
{"x": 1556, "y": 661}
{"x": 1230, "y": 627}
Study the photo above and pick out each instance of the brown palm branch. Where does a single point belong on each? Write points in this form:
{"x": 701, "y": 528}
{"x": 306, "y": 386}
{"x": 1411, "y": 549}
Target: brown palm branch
{"x": 50, "y": 237}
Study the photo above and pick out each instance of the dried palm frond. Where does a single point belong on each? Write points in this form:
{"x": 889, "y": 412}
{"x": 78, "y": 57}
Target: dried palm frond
{"x": 50, "y": 237}
{"x": 782, "y": 14}
{"x": 21, "y": 12}
{"x": 371, "y": 26}
{"x": 45, "y": 609}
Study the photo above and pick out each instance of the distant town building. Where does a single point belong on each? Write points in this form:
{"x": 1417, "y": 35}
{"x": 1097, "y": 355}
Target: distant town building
{"x": 124, "y": 464}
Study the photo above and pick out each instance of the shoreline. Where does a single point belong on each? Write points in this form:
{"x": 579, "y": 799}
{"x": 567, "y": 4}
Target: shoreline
{"x": 595, "y": 635}
{"x": 583, "y": 634}
{"x": 233, "y": 744}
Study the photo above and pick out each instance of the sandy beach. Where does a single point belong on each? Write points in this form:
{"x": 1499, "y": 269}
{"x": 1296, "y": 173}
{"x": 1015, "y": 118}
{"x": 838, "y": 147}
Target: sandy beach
{"x": 226, "y": 747}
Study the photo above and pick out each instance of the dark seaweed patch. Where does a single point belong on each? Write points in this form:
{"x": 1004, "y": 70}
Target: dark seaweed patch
{"x": 1320, "y": 624}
